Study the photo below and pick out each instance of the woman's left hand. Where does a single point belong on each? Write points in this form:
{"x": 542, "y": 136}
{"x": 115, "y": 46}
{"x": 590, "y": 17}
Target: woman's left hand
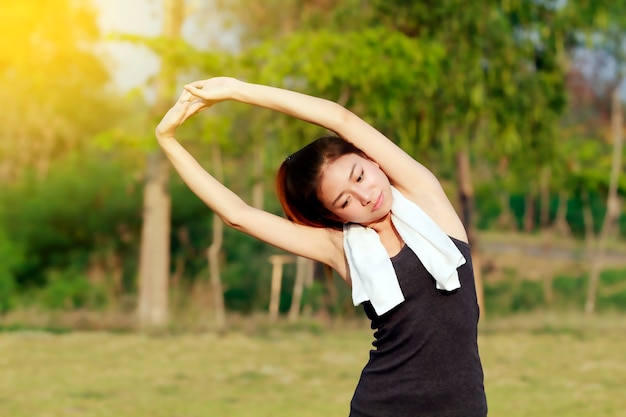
{"x": 213, "y": 90}
{"x": 186, "y": 106}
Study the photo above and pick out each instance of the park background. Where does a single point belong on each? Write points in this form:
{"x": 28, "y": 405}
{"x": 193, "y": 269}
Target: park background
{"x": 121, "y": 294}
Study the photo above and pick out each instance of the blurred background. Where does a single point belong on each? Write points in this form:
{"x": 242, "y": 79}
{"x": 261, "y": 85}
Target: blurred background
{"x": 516, "y": 105}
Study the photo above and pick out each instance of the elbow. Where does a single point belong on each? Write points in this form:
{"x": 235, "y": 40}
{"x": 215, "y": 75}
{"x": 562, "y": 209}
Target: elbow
{"x": 343, "y": 116}
{"x": 236, "y": 217}
{"x": 231, "y": 221}
{"x": 343, "y": 121}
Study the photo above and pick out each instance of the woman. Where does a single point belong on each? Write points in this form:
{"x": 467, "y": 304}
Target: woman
{"x": 361, "y": 205}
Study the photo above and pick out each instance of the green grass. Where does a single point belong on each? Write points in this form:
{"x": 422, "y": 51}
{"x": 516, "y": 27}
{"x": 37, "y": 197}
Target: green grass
{"x": 536, "y": 365}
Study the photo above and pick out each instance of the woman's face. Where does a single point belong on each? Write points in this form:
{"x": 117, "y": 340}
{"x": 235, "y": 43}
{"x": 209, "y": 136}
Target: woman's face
{"x": 356, "y": 190}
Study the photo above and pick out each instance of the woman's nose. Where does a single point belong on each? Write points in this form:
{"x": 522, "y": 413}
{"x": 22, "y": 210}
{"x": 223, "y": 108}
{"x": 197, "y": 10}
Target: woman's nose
{"x": 364, "y": 196}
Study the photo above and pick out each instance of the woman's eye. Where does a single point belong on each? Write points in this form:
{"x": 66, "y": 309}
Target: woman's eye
{"x": 360, "y": 177}
{"x": 345, "y": 203}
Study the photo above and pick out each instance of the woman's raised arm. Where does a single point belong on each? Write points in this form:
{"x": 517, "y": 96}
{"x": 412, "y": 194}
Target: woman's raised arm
{"x": 413, "y": 179}
{"x": 402, "y": 169}
{"x": 318, "y": 244}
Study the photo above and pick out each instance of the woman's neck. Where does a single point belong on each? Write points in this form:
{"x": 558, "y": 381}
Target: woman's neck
{"x": 389, "y": 236}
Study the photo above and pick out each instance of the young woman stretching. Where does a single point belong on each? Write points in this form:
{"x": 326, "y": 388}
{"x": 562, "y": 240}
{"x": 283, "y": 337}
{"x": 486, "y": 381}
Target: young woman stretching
{"x": 361, "y": 205}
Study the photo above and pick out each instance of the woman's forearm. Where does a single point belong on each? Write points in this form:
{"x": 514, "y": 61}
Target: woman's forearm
{"x": 225, "y": 203}
{"x": 319, "y": 111}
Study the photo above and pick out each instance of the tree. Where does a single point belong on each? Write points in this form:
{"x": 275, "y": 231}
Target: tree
{"x": 53, "y": 81}
{"x": 55, "y": 101}
{"x": 502, "y": 93}
{"x": 613, "y": 203}
{"x": 599, "y": 26}
{"x": 438, "y": 79}
{"x": 154, "y": 261}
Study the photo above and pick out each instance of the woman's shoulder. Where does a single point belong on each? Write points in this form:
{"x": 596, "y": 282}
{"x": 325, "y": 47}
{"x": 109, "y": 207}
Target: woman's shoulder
{"x": 439, "y": 208}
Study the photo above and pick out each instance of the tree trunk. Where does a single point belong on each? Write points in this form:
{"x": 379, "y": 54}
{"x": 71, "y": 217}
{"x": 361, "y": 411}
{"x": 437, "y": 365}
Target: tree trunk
{"x": 612, "y": 209}
{"x": 529, "y": 211}
{"x": 213, "y": 253}
{"x": 466, "y": 201}
{"x": 544, "y": 193}
{"x": 506, "y": 218}
{"x": 304, "y": 268}
{"x": 258, "y": 171}
{"x": 546, "y": 232}
{"x": 277, "y": 262}
{"x": 561, "y": 226}
{"x": 590, "y": 229}
{"x": 547, "y": 246}
{"x": 154, "y": 258}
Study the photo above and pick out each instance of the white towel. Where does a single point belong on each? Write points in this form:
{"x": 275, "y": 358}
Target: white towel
{"x": 371, "y": 271}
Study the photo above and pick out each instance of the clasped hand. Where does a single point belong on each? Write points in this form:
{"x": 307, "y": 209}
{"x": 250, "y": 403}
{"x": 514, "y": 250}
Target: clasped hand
{"x": 197, "y": 96}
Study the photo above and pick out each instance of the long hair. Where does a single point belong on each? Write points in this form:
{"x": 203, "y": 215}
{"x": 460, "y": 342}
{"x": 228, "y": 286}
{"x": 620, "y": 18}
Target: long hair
{"x": 299, "y": 178}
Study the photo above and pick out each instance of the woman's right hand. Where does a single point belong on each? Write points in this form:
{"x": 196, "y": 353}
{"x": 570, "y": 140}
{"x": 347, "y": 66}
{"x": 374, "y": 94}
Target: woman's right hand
{"x": 198, "y": 96}
{"x": 213, "y": 90}
{"x": 186, "y": 106}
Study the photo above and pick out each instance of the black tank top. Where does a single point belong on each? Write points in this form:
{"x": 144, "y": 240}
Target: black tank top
{"x": 425, "y": 361}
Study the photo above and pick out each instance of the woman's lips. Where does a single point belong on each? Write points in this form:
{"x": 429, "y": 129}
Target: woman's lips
{"x": 379, "y": 202}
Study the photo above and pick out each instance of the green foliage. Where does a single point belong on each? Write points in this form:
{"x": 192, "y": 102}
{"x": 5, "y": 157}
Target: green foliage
{"x": 54, "y": 80}
{"x": 570, "y": 292}
{"x": 488, "y": 205}
{"x": 514, "y": 295}
{"x": 386, "y": 76}
{"x": 85, "y": 204}
{"x": 593, "y": 202}
{"x": 433, "y": 76}
{"x": 70, "y": 290}
{"x": 11, "y": 258}
{"x": 313, "y": 297}
{"x": 246, "y": 272}
{"x": 527, "y": 296}
{"x": 612, "y": 290}
{"x": 7, "y": 290}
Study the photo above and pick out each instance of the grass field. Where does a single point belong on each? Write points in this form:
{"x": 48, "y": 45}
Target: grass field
{"x": 540, "y": 366}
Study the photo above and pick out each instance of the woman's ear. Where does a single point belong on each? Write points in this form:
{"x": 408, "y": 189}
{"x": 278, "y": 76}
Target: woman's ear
{"x": 333, "y": 217}
{"x": 336, "y": 218}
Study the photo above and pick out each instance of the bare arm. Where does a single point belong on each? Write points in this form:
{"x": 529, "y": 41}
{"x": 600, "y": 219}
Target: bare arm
{"x": 314, "y": 243}
{"x": 412, "y": 178}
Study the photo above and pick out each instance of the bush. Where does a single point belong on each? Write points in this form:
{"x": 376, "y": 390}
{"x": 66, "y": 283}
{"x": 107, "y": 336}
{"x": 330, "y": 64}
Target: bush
{"x": 612, "y": 290}
{"x": 70, "y": 290}
{"x": 10, "y": 259}
{"x": 508, "y": 297}
{"x": 7, "y": 290}
{"x": 83, "y": 204}
{"x": 570, "y": 292}
{"x": 527, "y": 296}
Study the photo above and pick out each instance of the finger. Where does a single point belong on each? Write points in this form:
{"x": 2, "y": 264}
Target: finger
{"x": 188, "y": 96}
{"x": 185, "y": 96}
{"x": 196, "y": 84}
{"x": 196, "y": 94}
{"x": 197, "y": 106}
{"x": 192, "y": 109}
{"x": 190, "y": 89}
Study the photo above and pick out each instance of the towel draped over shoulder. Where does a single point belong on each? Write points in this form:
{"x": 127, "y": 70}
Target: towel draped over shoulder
{"x": 371, "y": 271}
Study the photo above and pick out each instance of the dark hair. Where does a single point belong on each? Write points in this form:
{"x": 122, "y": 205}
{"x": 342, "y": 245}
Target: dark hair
{"x": 299, "y": 178}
